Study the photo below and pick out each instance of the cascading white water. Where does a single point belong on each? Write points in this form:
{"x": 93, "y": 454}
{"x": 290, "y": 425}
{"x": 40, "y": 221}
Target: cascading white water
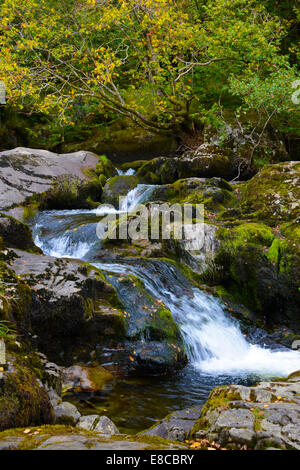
{"x": 214, "y": 341}
{"x": 141, "y": 193}
{"x": 129, "y": 172}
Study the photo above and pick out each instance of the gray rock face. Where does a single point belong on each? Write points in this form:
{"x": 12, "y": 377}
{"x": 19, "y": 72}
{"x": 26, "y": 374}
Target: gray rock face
{"x": 25, "y": 172}
{"x": 177, "y": 426}
{"x": 262, "y": 416}
{"x": 67, "y": 305}
{"x": 106, "y": 426}
{"x": 88, "y": 422}
{"x": 66, "y": 413}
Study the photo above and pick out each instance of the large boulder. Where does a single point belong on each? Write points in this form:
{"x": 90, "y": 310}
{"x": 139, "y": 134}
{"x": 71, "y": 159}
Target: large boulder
{"x": 260, "y": 267}
{"x": 263, "y": 416}
{"x": 26, "y": 173}
{"x": 70, "y": 308}
{"x": 203, "y": 163}
{"x": 68, "y": 304}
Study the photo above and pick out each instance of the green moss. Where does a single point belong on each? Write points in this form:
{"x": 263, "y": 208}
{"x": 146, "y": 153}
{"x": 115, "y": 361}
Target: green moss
{"x": 22, "y": 401}
{"x": 274, "y": 251}
{"x": 219, "y": 398}
{"x": 258, "y": 417}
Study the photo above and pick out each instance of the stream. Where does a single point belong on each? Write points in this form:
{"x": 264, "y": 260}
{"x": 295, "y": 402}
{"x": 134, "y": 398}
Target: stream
{"x": 218, "y": 352}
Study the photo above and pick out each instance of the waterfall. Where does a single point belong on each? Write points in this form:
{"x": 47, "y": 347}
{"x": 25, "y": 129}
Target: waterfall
{"x": 129, "y": 172}
{"x": 214, "y": 341}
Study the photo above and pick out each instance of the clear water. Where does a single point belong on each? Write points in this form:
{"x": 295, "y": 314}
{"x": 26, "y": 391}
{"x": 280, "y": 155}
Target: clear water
{"x": 218, "y": 351}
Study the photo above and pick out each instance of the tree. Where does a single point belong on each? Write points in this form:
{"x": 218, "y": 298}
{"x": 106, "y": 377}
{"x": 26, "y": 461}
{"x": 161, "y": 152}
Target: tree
{"x": 143, "y": 59}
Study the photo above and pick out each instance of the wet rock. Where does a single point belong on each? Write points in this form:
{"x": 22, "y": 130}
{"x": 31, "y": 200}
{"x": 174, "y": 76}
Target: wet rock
{"x": 25, "y": 172}
{"x": 265, "y": 415}
{"x": 66, "y": 413}
{"x": 85, "y": 379}
{"x": 214, "y": 193}
{"x": 99, "y": 424}
{"x": 154, "y": 342}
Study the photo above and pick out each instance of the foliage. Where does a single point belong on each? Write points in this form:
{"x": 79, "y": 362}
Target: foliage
{"x": 5, "y": 331}
{"x": 153, "y": 61}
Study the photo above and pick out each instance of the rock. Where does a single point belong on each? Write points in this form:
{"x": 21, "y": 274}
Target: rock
{"x": 15, "y": 234}
{"x": 262, "y": 416}
{"x": 23, "y": 400}
{"x": 197, "y": 249}
{"x": 25, "y": 172}
{"x": 176, "y": 426}
{"x": 117, "y": 187}
{"x": 201, "y": 164}
{"x": 66, "y": 413}
{"x": 85, "y": 379}
{"x": 154, "y": 342}
{"x": 87, "y": 422}
{"x": 68, "y": 304}
{"x": 278, "y": 187}
{"x": 215, "y": 193}
{"x": 261, "y": 269}
{"x": 106, "y": 426}
{"x": 68, "y": 438}
{"x": 99, "y": 424}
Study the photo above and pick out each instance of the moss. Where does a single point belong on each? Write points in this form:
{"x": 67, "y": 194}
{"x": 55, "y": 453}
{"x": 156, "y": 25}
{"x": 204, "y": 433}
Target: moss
{"x": 274, "y": 252}
{"x": 294, "y": 375}
{"x": 258, "y": 417}
{"x": 273, "y": 195}
{"x": 38, "y": 435}
{"x": 99, "y": 377}
{"x": 219, "y": 398}
{"x": 22, "y": 401}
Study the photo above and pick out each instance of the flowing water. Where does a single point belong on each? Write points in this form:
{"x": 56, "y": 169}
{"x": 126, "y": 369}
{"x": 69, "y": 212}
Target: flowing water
{"x": 218, "y": 352}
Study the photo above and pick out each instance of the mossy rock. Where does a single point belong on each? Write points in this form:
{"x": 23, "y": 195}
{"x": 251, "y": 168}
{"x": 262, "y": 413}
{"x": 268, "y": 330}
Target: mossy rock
{"x": 72, "y": 193}
{"x": 273, "y": 195}
{"x": 191, "y": 165}
{"x": 118, "y": 186}
{"x": 16, "y": 234}
{"x": 260, "y": 271}
{"x": 22, "y": 400}
{"x": 155, "y": 343}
